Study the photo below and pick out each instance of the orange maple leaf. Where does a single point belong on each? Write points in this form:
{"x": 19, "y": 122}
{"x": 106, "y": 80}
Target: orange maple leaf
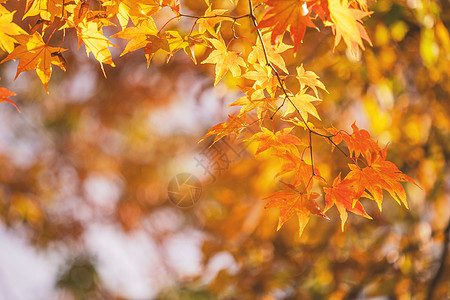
{"x": 343, "y": 195}
{"x": 254, "y": 99}
{"x": 358, "y": 143}
{"x": 34, "y": 54}
{"x": 292, "y": 162}
{"x": 379, "y": 175}
{"x": 287, "y": 15}
{"x": 234, "y": 125}
{"x": 292, "y": 202}
{"x": 280, "y": 140}
{"x": 4, "y": 94}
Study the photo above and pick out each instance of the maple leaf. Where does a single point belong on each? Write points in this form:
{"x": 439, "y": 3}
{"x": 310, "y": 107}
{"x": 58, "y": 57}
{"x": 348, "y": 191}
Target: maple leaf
{"x": 293, "y": 202}
{"x": 211, "y": 18}
{"x": 343, "y": 195}
{"x": 310, "y": 79}
{"x": 92, "y": 36}
{"x": 224, "y": 60}
{"x": 254, "y": 99}
{"x": 320, "y": 7}
{"x": 287, "y": 15}
{"x": 144, "y": 35}
{"x": 187, "y": 43}
{"x": 138, "y": 35}
{"x": 292, "y": 162}
{"x": 379, "y": 175}
{"x": 130, "y": 9}
{"x": 34, "y": 54}
{"x": 47, "y": 9}
{"x": 173, "y": 4}
{"x": 263, "y": 78}
{"x": 156, "y": 42}
{"x": 4, "y": 94}
{"x": 362, "y": 4}
{"x": 359, "y": 142}
{"x": 308, "y": 126}
{"x": 304, "y": 104}
{"x": 234, "y": 125}
{"x": 280, "y": 140}
{"x": 80, "y": 15}
{"x": 7, "y": 30}
{"x": 346, "y": 24}
{"x": 273, "y": 53}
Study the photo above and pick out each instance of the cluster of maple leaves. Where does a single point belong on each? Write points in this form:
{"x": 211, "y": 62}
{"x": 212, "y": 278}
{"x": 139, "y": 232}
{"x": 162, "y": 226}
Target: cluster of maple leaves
{"x": 263, "y": 69}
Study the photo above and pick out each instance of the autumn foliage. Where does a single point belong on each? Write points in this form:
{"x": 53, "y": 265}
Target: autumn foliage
{"x": 320, "y": 115}
{"x": 278, "y": 102}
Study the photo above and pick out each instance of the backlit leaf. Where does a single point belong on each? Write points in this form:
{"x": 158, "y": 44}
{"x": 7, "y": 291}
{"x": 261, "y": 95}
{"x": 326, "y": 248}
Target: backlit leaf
{"x": 224, "y": 60}
{"x": 34, "y": 54}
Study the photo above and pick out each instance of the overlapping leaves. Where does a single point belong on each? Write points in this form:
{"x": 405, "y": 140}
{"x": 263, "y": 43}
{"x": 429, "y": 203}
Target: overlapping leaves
{"x": 258, "y": 67}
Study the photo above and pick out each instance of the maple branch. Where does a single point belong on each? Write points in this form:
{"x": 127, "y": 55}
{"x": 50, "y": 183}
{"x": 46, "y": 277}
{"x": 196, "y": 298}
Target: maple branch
{"x": 286, "y": 96}
{"x": 280, "y": 81}
{"x": 330, "y": 139}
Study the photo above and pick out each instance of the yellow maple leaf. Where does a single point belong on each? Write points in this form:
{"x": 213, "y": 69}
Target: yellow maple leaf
{"x": 293, "y": 201}
{"x": 7, "y": 29}
{"x": 138, "y": 35}
{"x": 263, "y": 78}
{"x": 187, "y": 43}
{"x": 34, "y": 54}
{"x": 304, "y": 104}
{"x": 273, "y": 53}
{"x": 310, "y": 79}
{"x": 131, "y": 9}
{"x": 210, "y": 19}
{"x": 346, "y": 24}
{"x": 224, "y": 60}
{"x": 92, "y": 36}
{"x": 46, "y": 9}
{"x": 156, "y": 42}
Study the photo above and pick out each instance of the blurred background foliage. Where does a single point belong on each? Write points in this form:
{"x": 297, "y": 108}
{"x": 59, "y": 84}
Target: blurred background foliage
{"x": 84, "y": 173}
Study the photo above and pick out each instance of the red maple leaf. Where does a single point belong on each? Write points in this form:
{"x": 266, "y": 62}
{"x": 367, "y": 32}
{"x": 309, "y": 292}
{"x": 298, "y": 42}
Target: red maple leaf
{"x": 4, "y": 94}
{"x": 287, "y": 15}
